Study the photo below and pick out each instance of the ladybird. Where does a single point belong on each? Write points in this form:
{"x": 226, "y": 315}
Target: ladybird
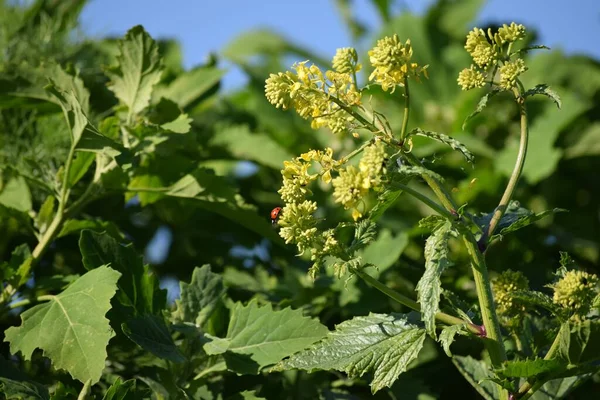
{"x": 275, "y": 214}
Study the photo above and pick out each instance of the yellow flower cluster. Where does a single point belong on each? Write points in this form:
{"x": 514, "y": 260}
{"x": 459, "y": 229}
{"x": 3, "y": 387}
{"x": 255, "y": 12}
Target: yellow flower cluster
{"x": 575, "y": 292}
{"x": 353, "y": 184}
{"x": 296, "y": 175}
{"x": 503, "y": 286}
{"x": 316, "y": 95}
{"x": 392, "y": 61}
{"x": 345, "y": 61}
{"x": 487, "y": 51}
{"x": 298, "y": 225}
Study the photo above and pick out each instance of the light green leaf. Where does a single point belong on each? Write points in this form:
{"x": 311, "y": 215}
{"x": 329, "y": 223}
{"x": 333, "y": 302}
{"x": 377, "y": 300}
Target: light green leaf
{"x": 265, "y": 336}
{"x": 15, "y": 194}
{"x": 545, "y": 90}
{"x": 442, "y": 138}
{"x": 477, "y": 373}
{"x": 138, "y": 70}
{"x": 384, "y": 251}
{"x": 151, "y": 334}
{"x": 364, "y": 233}
{"x": 72, "y": 110}
{"x": 429, "y": 287}
{"x": 169, "y": 116}
{"x": 530, "y": 368}
{"x": 80, "y": 165}
{"x": 380, "y": 344}
{"x": 199, "y": 298}
{"x": 246, "y": 145}
{"x": 139, "y": 289}
{"x": 447, "y": 336}
{"x": 71, "y": 328}
{"x": 410, "y": 171}
{"x": 539, "y": 299}
{"x": 45, "y": 215}
{"x": 190, "y": 86}
{"x": 120, "y": 390}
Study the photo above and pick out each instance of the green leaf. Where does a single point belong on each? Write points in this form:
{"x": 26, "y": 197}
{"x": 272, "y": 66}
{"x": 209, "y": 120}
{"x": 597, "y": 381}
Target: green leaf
{"x": 168, "y": 116}
{"x": 190, "y": 86}
{"x": 246, "y": 145}
{"x": 139, "y": 289}
{"x": 481, "y": 105}
{"x": 246, "y": 395}
{"x": 80, "y": 165}
{"x": 477, "y": 373}
{"x": 530, "y": 368}
{"x": 72, "y": 226}
{"x": 410, "y": 171}
{"x": 45, "y": 215}
{"x": 151, "y": 334}
{"x": 515, "y": 217}
{"x": 72, "y": 110}
{"x": 199, "y": 298}
{"x": 71, "y": 328}
{"x": 120, "y": 390}
{"x": 19, "y": 256}
{"x": 384, "y": 251}
{"x": 265, "y": 336}
{"x": 364, "y": 233}
{"x": 588, "y": 143}
{"x": 429, "y": 287}
{"x": 384, "y": 201}
{"x": 445, "y": 139}
{"x": 138, "y": 70}
{"x": 15, "y": 194}
{"x": 556, "y": 389}
{"x": 380, "y": 344}
{"x": 447, "y": 336}
{"x": 539, "y": 299}
{"x": 545, "y": 90}
{"x": 580, "y": 341}
{"x": 16, "y": 385}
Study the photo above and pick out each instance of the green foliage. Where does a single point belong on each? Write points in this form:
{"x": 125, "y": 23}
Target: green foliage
{"x": 115, "y": 182}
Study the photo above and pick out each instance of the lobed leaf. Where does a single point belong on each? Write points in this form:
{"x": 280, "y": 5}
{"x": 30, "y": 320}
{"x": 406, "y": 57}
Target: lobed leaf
{"x": 139, "y": 68}
{"x": 447, "y": 336}
{"x": 380, "y": 344}
{"x": 199, "y": 298}
{"x": 429, "y": 287}
{"x": 71, "y": 328}
{"x": 544, "y": 90}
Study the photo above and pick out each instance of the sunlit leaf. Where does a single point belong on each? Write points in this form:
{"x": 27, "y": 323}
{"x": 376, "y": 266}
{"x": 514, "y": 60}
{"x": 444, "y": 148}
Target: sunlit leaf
{"x": 199, "y": 298}
{"x": 442, "y": 138}
{"x": 447, "y": 336}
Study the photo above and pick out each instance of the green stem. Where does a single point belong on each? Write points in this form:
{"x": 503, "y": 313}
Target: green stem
{"x": 410, "y": 303}
{"x": 514, "y": 177}
{"x": 84, "y": 390}
{"x": 404, "y": 128}
{"x": 424, "y": 199}
{"x": 348, "y": 156}
{"x": 528, "y": 389}
{"x": 440, "y": 191}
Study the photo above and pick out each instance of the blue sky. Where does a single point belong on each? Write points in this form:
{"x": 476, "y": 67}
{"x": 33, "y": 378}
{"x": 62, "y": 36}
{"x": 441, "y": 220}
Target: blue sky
{"x": 204, "y": 26}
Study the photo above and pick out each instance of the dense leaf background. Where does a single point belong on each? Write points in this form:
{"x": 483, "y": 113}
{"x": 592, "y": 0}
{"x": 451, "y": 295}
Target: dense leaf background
{"x": 221, "y": 180}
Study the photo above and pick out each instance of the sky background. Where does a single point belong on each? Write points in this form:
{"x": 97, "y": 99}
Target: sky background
{"x": 205, "y": 26}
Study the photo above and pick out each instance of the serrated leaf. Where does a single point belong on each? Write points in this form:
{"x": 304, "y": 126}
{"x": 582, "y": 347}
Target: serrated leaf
{"x": 15, "y": 194}
{"x": 364, "y": 233}
{"x": 247, "y": 145}
{"x": 533, "y": 298}
{"x": 530, "y": 368}
{"x": 477, "y": 373}
{"x": 447, "y": 140}
{"x": 429, "y": 287}
{"x": 139, "y": 290}
{"x": 72, "y": 110}
{"x": 190, "y": 86}
{"x": 431, "y": 222}
{"x": 151, "y": 334}
{"x": 380, "y": 344}
{"x": 447, "y": 336}
{"x": 384, "y": 201}
{"x": 265, "y": 336}
{"x": 545, "y": 90}
{"x": 580, "y": 341}
{"x": 481, "y": 105}
{"x": 199, "y": 298}
{"x": 71, "y": 328}
{"x": 514, "y": 218}
{"x": 139, "y": 69}
{"x": 411, "y": 171}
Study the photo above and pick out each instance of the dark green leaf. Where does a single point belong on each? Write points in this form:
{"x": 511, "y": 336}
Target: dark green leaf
{"x": 530, "y": 368}
{"x": 138, "y": 70}
{"x": 477, "y": 373}
{"x": 19, "y": 256}
{"x": 199, "y": 297}
{"x": 442, "y": 138}
{"x": 71, "y": 328}
{"x": 533, "y": 298}
{"x": 556, "y": 389}
{"x": 545, "y": 90}
{"x": 429, "y": 287}
{"x": 380, "y": 344}
{"x": 72, "y": 226}
{"x": 580, "y": 341}
{"x": 120, "y": 390}
{"x": 264, "y": 337}
{"x": 138, "y": 288}
{"x": 151, "y": 334}
{"x": 447, "y": 336}
{"x": 16, "y": 385}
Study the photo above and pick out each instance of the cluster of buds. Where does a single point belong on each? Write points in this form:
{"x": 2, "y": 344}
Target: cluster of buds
{"x": 491, "y": 51}
{"x": 575, "y": 292}
{"x": 509, "y": 310}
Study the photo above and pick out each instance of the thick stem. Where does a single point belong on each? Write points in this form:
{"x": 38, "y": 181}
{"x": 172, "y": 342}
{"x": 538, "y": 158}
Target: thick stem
{"x": 404, "y": 128}
{"x": 410, "y": 303}
{"x": 84, "y": 390}
{"x": 514, "y": 177}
